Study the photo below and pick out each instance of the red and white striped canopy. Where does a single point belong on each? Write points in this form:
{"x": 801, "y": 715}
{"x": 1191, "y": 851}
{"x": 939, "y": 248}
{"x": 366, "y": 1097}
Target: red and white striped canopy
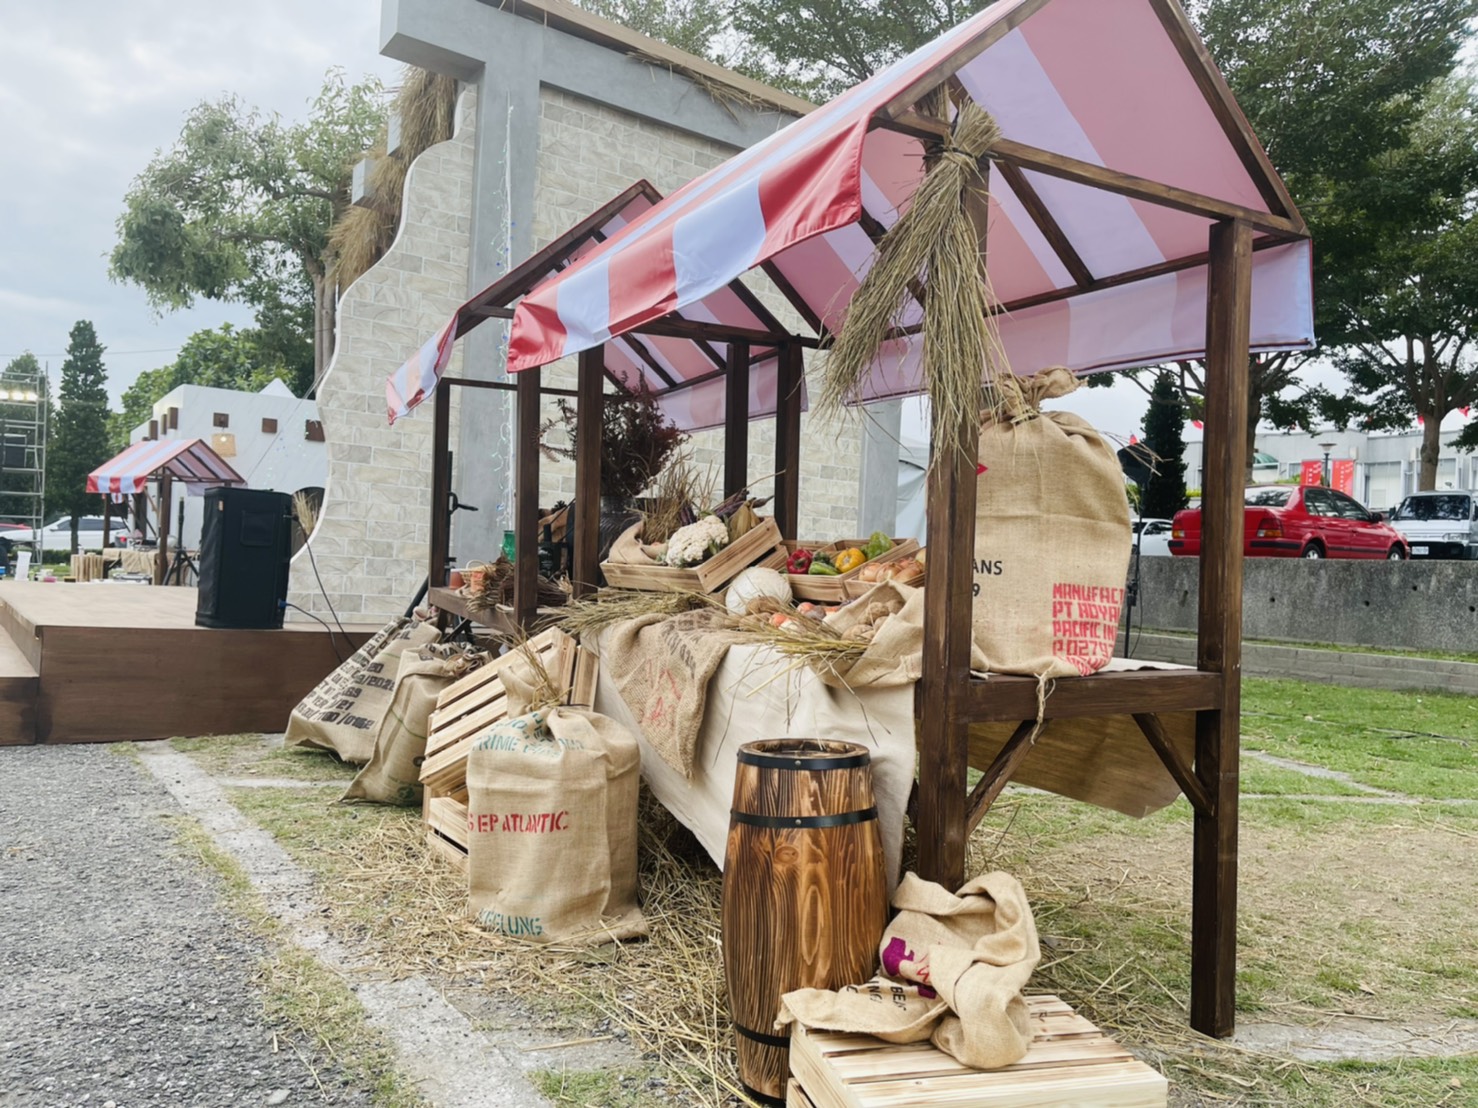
{"x": 1120, "y": 137}
{"x": 684, "y": 374}
{"x": 191, "y": 461}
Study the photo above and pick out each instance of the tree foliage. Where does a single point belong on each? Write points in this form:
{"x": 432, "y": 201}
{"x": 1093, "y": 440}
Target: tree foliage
{"x": 79, "y": 436}
{"x": 239, "y": 209}
{"x": 1164, "y": 436}
{"x": 223, "y": 359}
{"x": 691, "y": 25}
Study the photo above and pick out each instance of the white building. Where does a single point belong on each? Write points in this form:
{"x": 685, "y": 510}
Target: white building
{"x": 1387, "y": 463}
{"x": 272, "y": 438}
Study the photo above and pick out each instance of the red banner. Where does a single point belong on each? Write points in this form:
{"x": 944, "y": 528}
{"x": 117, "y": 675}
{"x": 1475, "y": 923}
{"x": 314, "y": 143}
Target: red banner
{"x": 1311, "y": 473}
{"x": 1342, "y": 476}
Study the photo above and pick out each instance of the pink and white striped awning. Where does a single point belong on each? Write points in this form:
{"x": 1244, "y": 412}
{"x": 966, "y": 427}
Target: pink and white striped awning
{"x": 1122, "y": 145}
{"x": 685, "y": 374}
{"x": 191, "y": 461}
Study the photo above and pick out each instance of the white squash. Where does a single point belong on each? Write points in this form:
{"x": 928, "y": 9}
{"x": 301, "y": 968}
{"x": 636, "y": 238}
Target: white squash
{"x": 753, "y": 583}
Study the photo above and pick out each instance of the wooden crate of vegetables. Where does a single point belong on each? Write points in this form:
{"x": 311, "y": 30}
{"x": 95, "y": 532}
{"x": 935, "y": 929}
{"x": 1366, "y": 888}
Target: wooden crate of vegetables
{"x": 701, "y": 556}
{"x": 823, "y": 571}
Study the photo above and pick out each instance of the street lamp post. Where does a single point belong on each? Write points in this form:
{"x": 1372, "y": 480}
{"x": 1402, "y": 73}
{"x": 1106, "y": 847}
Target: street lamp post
{"x": 1326, "y": 447}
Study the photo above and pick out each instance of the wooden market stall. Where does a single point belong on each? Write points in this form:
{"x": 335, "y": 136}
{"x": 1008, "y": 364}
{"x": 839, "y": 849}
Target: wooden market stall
{"x": 1133, "y": 218}
{"x": 189, "y": 461}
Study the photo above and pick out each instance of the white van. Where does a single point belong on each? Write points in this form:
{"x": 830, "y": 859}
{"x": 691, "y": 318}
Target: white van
{"x": 1439, "y": 524}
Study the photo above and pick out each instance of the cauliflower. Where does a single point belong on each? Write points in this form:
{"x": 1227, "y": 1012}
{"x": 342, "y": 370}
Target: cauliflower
{"x": 691, "y": 544}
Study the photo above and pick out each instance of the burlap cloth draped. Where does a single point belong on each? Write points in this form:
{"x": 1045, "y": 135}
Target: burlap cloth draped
{"x": 954, "y": 965}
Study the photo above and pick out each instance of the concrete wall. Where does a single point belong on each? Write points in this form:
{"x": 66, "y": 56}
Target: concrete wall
{"x": 1406, "y": 605}
{"x": 373, "y": 534}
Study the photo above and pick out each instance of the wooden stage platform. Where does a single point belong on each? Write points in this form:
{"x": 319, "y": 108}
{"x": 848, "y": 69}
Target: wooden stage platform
{"x": 106, "y": 663}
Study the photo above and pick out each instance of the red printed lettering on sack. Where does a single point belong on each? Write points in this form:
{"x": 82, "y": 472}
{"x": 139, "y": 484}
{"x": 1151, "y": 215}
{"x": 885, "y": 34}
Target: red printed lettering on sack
{"x": 1085, "y": 624}
{"x": 533, "y": 823}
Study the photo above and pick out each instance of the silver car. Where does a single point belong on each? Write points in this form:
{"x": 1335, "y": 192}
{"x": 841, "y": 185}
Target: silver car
{"x": 1439, "y": 524}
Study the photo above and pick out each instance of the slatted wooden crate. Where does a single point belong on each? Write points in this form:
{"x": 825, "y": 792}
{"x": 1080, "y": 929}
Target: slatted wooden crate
{"x": 1070, "y": 1062}
{"x": 464, "y": 711}
{"x": 833, "y": 590}
{"x": 639, "y": 573}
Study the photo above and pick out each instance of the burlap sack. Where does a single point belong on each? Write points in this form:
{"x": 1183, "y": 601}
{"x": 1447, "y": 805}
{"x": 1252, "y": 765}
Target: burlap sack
{"x": 1052, "y": 540}
{"x": 343, "y": 713}
{"x": 393, "y": 774}
{"x": 661, "y": 665}
{"x": 552, "y": 824}
{"x": 954, "y": 965}
{"x": 895, "y": 655}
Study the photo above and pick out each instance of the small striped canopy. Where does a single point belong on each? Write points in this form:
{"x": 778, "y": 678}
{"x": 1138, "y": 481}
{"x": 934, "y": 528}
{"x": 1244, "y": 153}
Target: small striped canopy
{"x": 685, "y": 374}
{"x": 1121, "y": 147}
{"x": 191, "y": 461}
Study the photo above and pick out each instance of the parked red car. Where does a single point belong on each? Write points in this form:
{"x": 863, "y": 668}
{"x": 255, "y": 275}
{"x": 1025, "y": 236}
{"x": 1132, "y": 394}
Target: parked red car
{"x": 1300, "y": 521}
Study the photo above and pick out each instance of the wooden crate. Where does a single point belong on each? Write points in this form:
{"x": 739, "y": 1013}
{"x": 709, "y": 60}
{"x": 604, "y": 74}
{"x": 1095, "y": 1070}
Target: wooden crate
{"x": 757, "y": 544}
{"x": 795, "y": 1096}
{"x": 1070, "y": 1062}
{"x": 833, "y": 590}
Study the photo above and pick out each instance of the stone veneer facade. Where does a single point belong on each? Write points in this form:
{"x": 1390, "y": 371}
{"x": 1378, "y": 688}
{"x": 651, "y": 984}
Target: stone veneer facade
{"x": 371, "y": 541}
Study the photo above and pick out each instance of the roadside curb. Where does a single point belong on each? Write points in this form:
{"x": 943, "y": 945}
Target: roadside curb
{"x": 453, "y": 1064}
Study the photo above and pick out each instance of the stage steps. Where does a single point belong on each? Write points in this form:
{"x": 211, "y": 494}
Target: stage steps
{"x": 20, "y": 684}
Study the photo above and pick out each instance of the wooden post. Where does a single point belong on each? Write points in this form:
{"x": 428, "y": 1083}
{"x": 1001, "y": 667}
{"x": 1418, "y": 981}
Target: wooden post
{"x": 526, "y": 499}
{"x": 590, "y": 410}
{"x": 788, "y": 389}
{"x": 1219, "y": 638}
{"x": 161, "y": 562}
{"x": 441, "y": 486}
{"x": 107, "y": 521}
{"x": 736, "y": 418}
{"x": 140, "y": 515}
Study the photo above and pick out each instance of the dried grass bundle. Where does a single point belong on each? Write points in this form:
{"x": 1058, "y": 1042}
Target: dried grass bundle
{"x": 678, "y": 489}
{"x": 804, "y": 640}
{"x": 935, "y": 243}
{"x": 305, "y": 510}
{"x": 612, "y": 606}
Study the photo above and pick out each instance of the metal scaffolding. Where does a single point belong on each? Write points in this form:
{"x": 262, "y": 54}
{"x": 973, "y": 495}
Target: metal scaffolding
{"x": 24, "y": 407}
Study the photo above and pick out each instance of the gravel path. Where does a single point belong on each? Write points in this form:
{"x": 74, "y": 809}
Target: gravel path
{"x": 122, "y": 980}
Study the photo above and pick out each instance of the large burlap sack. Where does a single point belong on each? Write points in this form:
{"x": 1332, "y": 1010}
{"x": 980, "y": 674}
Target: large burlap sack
{"x": 1052, "y": 539}
{"x": 393, "y": 773}
{"x": 343, "y": 713}
{"x": 954, "y": 965}
{"x": 551, "y": 844}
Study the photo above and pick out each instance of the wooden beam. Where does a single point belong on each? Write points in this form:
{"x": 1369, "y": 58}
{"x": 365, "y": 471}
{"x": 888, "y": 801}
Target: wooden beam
{"x": 585, "y": 573}
{"x": 796, "y": 300}
{"x": 441, "y": 486}
{"x": 789, "y": 389}
{"x": 1185, "y": 776}
{"x": 161, "y": 560}
{"x": 1051, "y": 230}
{"x": 1224, "y": 107}
{"x": 1002, "y": 769}
{"x": 952, "y": 63}
{"x": 1140, "y": 188}
{"x": 736, "y": 419}
{"x": 107, "y": 521}
{"x": 1000, "y": 699}
{"x": 639, "y": 348}
{"x": 1219, "y": 639}
{"x": 504, "y": 386}
{"x": 526, "y": 499}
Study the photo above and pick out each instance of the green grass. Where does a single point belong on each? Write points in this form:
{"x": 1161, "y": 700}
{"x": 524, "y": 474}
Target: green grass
{"x": 263, "y": 756}
{"x": 607, "y": 1088}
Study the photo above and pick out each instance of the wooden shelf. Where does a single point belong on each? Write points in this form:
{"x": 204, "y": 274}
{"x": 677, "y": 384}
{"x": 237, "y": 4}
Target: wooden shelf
{"x": 1000, "y": 699}
{"x": 448, "y": 600}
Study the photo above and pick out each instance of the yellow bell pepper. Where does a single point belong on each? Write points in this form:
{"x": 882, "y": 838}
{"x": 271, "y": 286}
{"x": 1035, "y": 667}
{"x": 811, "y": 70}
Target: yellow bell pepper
{"x": 849, "y": 559}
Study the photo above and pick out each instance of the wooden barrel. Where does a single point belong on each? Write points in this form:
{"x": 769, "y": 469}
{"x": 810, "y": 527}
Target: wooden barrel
{"x": 805, "y": 895}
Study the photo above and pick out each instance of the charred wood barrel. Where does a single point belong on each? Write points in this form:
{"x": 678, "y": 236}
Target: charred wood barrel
{"x": 805, "y": 893}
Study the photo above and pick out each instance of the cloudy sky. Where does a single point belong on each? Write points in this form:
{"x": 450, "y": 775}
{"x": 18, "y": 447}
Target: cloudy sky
{"x": 89, "y": 89}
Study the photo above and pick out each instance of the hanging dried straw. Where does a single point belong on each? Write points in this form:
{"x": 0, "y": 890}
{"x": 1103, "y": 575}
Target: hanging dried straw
{"x": 933, "y": 248}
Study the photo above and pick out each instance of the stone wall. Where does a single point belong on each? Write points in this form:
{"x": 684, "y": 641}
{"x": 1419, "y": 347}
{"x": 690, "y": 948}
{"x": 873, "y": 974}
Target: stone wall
{"x": 1415, "y": 605}
{"x": 373, "y": 533}
{"x": 588, "y": 153}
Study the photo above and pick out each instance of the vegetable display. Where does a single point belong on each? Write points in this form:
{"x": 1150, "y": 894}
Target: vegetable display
{"x": 691, "y": 544}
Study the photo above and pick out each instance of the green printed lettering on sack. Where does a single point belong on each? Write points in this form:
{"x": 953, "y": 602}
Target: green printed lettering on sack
{"x": 510, "y": 925}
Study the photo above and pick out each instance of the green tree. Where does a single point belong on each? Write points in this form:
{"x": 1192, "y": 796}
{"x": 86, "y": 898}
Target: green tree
{"x": 224, "y": 359}
{"x": 1164, "y": 436}
{"x": 239, "y": 209}
{"x": 691, "y": 25}
{"x": 1402, "y": 283}
{"x": 79, "y": 438}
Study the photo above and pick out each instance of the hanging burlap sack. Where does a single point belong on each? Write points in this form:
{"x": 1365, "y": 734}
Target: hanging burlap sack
{"x": 954, "y": 965}
{"x": 551, "y": 808}
{"x": 343, "y": 713}
{"x": 1052, "y": 539}
{"x": 393, "y": 774}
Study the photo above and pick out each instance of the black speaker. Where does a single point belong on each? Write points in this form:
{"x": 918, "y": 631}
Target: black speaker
{"x": 245, "y": 544}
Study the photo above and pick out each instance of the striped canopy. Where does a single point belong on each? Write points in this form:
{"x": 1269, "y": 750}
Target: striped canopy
{"x": 191, "y": 461}
{"x": 1122, "y": 145}
{"x": 685, "y": 374}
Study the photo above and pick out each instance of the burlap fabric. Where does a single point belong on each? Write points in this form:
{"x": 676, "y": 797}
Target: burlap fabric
{"x": 343, "y": 713}
{"x": 1052, "y": 539}
{"x": 393, "y": 774}
{"x": 954, "y": 965}
{"x": 662, "y": 665}
{"x": 895, "y": 656}
{"x": 552, "y": 800}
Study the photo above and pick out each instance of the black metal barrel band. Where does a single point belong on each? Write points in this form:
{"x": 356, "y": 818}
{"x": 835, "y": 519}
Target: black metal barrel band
{"x": 837, "y": 819}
